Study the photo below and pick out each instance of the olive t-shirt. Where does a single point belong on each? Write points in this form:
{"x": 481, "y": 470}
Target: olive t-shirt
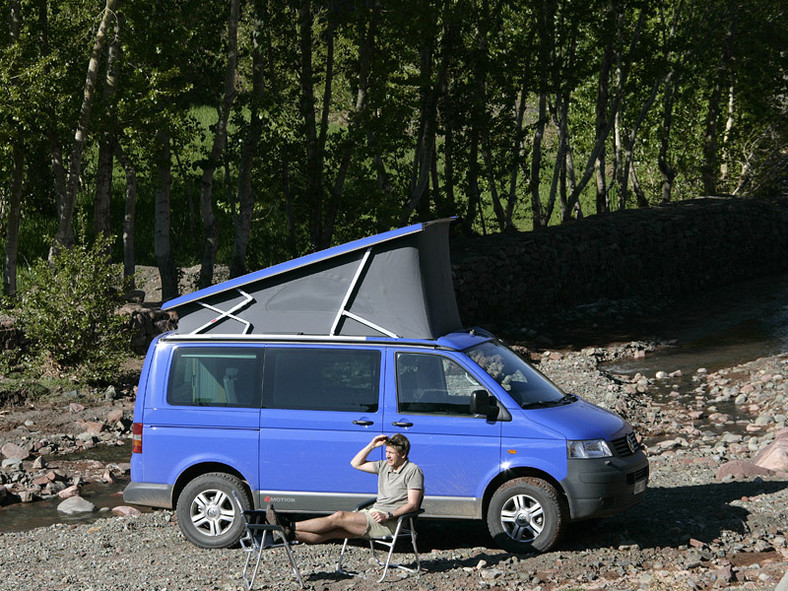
{"x": 393, "y": 485}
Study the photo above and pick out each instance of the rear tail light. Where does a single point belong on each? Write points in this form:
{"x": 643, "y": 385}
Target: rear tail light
{"x": 136, "y": 438}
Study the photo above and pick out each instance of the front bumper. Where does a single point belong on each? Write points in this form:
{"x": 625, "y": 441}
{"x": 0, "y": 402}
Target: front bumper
{"x": 605, "y": 486}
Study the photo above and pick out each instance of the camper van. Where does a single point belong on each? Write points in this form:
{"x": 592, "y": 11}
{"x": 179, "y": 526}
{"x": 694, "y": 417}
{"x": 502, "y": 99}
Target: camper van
{"x": 273, "y": 381}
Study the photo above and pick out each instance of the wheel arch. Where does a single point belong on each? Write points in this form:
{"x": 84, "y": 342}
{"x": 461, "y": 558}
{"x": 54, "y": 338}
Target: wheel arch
{"x": 197, "y": 470}
{"x": 513, "y": 473}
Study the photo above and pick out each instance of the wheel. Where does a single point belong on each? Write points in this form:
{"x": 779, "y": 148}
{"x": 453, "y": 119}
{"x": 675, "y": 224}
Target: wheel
{"x": 207, "y": 512}
{"x": 527, "y": 515}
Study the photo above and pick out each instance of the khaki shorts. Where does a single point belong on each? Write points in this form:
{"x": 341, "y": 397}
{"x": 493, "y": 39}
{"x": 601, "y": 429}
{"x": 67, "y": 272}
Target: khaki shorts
{"x": 378, "y": 530}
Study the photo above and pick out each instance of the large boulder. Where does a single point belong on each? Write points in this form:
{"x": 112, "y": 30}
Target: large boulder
{"x": 741, "y": 469}
{"x": 775, "y": 455}
{"x": 76, "y": 505}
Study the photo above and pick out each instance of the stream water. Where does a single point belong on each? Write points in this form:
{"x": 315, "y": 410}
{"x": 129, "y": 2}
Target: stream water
{"x": 24, "y": 516}
{"x": 715, "y": 329}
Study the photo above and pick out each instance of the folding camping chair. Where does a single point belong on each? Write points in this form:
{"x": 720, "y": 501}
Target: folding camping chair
{"x": 261, "y": 536}
{"x": 405, "y": 526}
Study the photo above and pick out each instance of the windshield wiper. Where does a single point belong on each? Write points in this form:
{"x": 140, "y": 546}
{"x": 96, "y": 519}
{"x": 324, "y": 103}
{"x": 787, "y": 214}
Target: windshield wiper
{"x": 566, "y": 399}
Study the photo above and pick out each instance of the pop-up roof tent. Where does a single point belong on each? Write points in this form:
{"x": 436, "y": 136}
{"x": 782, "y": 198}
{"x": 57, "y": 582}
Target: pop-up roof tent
{"x": 397, "y": 285}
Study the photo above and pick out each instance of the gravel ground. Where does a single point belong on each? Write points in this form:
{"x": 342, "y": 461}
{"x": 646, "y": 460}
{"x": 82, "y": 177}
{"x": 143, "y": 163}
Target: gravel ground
{"x": 698, "y": 528}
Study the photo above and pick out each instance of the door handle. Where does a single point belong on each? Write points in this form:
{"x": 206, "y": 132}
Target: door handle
{"x": 402, "y": 424}
{"x": 364, "y": 423}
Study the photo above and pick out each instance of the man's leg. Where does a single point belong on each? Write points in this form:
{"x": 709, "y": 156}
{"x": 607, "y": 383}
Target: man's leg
{"x": 342, "y": 524}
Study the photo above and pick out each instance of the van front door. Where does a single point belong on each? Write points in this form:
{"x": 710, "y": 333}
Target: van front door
{"x": 458, "y": 451}
{"x": 320, "y": 406}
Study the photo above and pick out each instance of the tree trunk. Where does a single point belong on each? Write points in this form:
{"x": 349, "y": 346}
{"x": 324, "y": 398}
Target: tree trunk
{"x": 243, "y": 222}
{"x": 709, "y": 170}
{"x": 663, "y": 158}
{"x": 129, "y": 217}
{"x": 518, "y": 158}
{"x": 14, "y": 215}
{"x": 559, "y": 114}
{"x": 366, "y": 48}
{"x": 725, "y": 164}
{"x": 101, "y": 206}
{"x": 65, "y": 231}
{"x": 161, "y": 224}
{"x": 292, "y": 244}
{"x": 313, "y": 192}
{"x": 13, "y": 209}
{"x": 602, "y": 103}
{"x": 629, "y": 149}
{"x": 474, "y": 194}
{"x": 422, "y": 155}
{"x": 219, "y": 140}
{"x": 536, "y": 164}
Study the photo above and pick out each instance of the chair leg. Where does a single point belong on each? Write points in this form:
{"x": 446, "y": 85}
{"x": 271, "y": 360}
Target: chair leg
{"x": 390, "y": 545}
{"x": 341, "y": 556}
{"x": 250, "y": 582}
{"x": 293, "y": 564}
{"x": 415, "y": 549}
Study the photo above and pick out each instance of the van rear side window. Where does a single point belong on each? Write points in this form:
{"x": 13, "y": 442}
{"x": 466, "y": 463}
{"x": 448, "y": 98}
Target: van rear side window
{"x": 322, "y": 379}
{"x": 212, "y": 376}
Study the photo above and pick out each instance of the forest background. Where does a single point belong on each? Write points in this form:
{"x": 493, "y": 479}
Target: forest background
{"x": 247, "y": 132}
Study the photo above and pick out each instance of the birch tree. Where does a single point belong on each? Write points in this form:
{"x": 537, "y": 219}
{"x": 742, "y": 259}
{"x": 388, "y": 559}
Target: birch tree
{"x": 64, "y": 238}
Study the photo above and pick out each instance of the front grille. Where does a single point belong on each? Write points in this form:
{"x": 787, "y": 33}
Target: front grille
{"x": 626, "y": 446}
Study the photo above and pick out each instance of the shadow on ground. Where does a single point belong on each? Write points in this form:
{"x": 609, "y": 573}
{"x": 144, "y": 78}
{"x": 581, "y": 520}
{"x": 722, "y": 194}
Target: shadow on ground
{"x": 667, "y": 517}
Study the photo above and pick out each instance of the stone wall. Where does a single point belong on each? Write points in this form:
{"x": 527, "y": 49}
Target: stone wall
{"x": 649, "y": 254}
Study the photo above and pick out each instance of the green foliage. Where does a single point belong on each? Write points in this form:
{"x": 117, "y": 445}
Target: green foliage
{"x": 68, "y": 311}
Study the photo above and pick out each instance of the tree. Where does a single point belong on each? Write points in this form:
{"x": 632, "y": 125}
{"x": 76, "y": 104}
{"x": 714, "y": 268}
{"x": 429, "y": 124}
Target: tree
{"x": 65, "y": 231}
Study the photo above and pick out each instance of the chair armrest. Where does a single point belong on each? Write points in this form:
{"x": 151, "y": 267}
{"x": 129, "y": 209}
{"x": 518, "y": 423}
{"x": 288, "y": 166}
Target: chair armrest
{"x": 415, "y": 513}
{"x": 365, "y": 504}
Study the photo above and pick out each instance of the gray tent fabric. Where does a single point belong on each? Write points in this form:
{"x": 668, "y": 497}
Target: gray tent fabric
{"x": 397, "y": 285}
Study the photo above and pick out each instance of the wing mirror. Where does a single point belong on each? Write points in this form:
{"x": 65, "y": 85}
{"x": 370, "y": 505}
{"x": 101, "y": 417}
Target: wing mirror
{"x": 484, "y": 404}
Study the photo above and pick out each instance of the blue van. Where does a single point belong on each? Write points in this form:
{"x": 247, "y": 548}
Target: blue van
{"x": 273, "y": 381}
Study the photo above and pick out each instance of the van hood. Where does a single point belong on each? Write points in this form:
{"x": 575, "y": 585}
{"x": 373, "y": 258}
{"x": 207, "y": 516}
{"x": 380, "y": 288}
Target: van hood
{"x": 580, "y": 420}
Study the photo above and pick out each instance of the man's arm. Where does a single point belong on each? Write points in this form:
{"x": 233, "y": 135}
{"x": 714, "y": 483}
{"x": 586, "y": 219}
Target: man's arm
{"x": 415, "y": 496}
{"x": 360, "y": 461}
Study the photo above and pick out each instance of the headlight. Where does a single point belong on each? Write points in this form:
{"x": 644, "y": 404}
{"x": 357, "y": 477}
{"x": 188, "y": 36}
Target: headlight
{"x": 591, "y": 448}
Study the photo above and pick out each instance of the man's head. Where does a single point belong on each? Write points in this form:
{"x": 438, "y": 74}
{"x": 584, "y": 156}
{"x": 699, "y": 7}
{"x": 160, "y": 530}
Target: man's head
{"x": 397, "y": 449}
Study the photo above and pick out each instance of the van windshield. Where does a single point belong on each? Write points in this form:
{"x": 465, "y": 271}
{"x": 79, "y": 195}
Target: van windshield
{"x": 528, "y": 387}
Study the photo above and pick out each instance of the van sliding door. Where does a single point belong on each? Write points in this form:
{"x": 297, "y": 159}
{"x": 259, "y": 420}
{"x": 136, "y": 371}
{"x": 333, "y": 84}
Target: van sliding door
{"x": 320, "y": 406}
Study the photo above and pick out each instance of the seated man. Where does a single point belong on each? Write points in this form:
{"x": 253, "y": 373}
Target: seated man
{"x": 400, "y": 491}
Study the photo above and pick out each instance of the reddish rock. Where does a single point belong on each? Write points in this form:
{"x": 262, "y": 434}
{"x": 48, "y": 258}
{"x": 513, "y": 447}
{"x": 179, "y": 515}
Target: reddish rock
{"x": 114, "y": 416}
{"x": 74, "y": 407}
{"x": 696, "y": 543}
{"x": 69, "y": 492}
{"x": 126, "y": 511}
{"x": 94, "y": 427}
{"x": 45, "y": 479}
{"x": 11, "y": 450}
{"x": 775, "y": 455}
{"x": 741, "y": 469}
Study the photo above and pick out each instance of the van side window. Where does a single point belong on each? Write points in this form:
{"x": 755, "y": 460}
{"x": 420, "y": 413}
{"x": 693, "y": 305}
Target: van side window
{"x": 433, "y": 384}
{"x": 213, "y": 376}
{"x": 322, "y": 379}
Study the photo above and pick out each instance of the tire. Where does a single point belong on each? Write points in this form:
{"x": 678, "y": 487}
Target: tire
{"x": 207, "y": 512}
{"x": 527, "y": 515}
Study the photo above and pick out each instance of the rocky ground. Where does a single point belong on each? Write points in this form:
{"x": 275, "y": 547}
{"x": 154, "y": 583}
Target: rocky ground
{"x": 713, "y": 518}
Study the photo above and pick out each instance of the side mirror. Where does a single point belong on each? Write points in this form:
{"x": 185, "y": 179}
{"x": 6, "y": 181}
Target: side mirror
{"x": 484, "y": 404}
